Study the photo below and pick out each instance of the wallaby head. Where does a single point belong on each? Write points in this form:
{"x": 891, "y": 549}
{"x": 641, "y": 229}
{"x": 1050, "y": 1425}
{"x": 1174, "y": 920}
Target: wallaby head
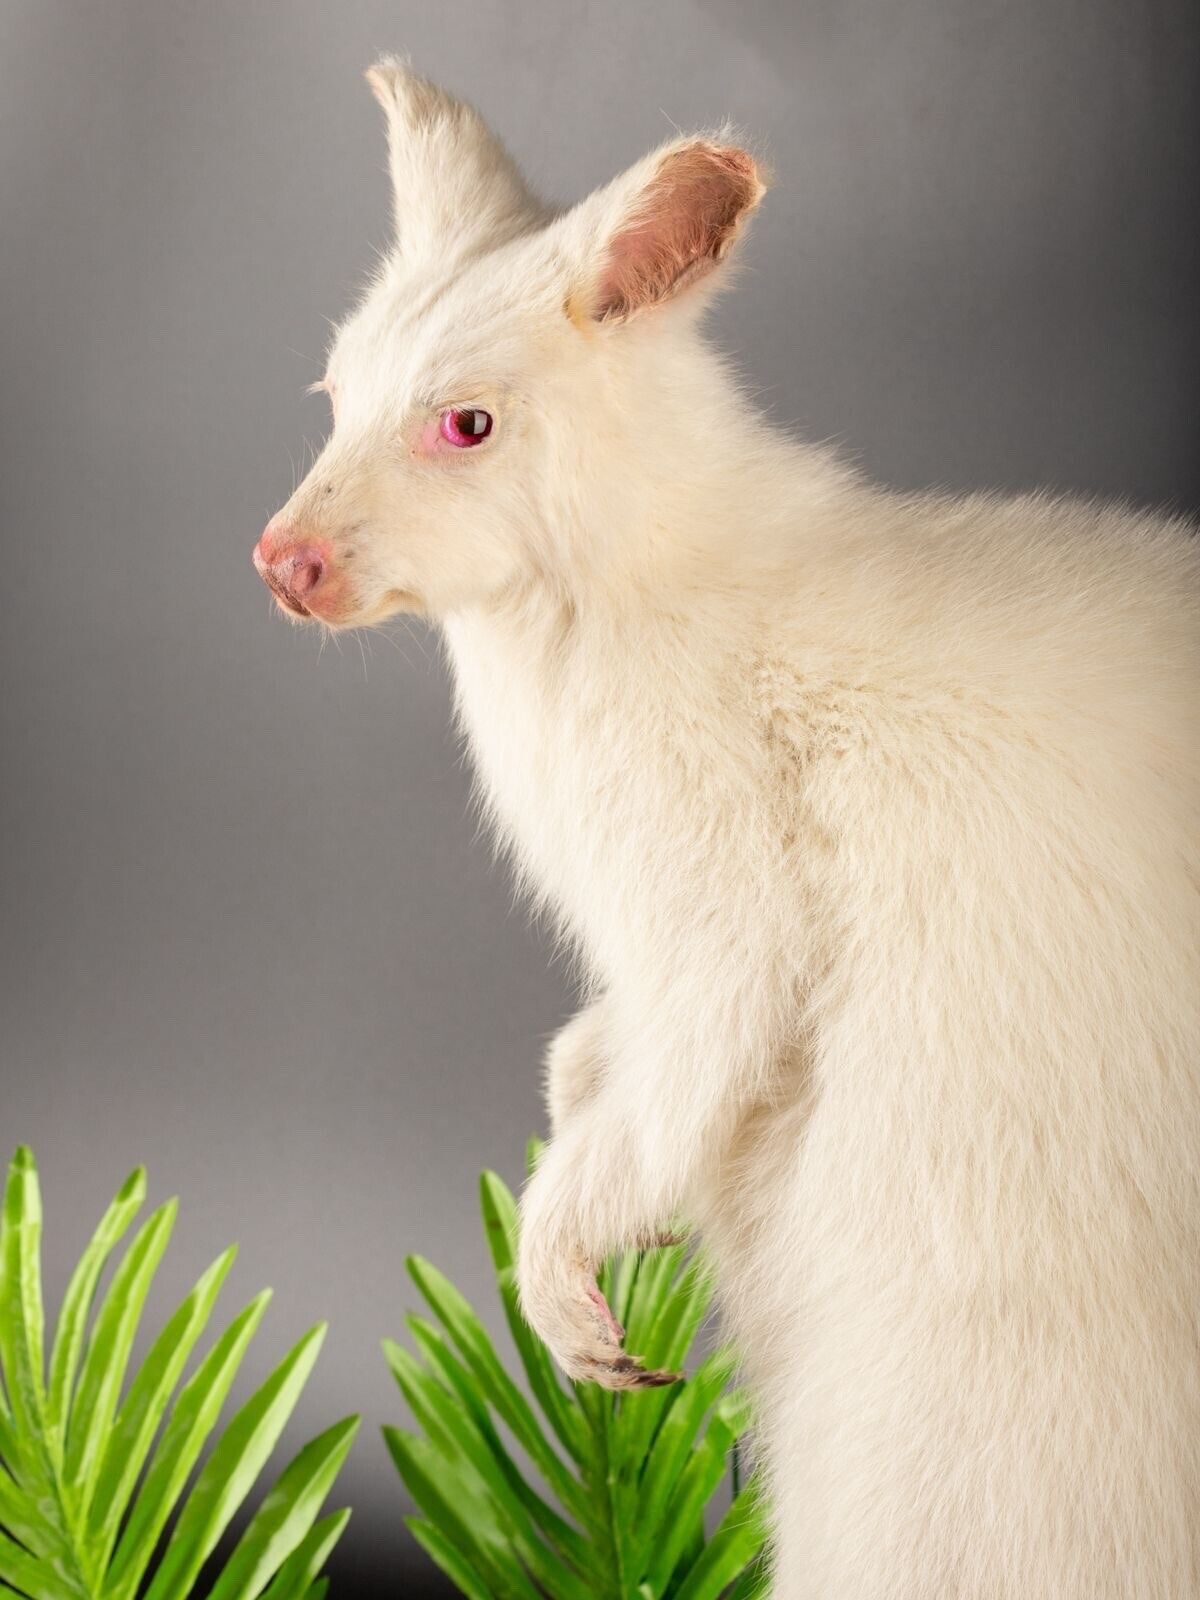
{"x": 512, "y": 376}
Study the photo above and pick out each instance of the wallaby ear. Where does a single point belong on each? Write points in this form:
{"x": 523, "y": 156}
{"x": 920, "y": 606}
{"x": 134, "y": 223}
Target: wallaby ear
{"x": 664, "y": 226}
{"x": 454, "y": 186}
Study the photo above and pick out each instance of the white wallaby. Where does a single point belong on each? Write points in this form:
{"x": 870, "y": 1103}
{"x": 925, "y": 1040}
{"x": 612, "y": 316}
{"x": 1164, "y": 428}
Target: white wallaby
{"x": 873, "y": 819}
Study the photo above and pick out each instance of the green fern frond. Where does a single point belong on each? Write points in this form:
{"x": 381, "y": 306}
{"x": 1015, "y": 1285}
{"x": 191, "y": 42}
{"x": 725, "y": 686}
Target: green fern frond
{"x": 85, "y": 1492}
{"x": 615, "y": 1504}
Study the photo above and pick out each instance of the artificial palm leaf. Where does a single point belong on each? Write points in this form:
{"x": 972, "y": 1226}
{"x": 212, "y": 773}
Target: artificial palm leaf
{"x": 614, "y": 1505}
{"x": 85, "y": 1492}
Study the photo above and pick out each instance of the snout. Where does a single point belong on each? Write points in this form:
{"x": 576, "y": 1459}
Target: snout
{"x": 294, "y": 569}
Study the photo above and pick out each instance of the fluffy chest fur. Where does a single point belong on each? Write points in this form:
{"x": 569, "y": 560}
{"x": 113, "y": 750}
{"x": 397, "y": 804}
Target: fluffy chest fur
{"x": 618, "y": 768}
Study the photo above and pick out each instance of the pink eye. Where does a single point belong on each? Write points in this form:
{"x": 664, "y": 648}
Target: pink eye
{"x": 466, "y": 427}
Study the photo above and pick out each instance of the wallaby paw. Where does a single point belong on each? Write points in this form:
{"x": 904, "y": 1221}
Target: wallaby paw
{"x": 576, "y": 1323}
{"x": 613, "y": 1369}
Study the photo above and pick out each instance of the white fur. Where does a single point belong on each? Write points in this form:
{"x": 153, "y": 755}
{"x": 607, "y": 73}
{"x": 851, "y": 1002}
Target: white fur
{"x": 873, "y": 819}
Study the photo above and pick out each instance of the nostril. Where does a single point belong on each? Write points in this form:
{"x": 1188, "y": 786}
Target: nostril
{"x": 307, "y": 571}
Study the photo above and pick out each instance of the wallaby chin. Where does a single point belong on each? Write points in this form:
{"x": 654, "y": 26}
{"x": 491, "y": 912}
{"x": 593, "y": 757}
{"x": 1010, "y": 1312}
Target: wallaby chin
{"x": 873, "y": 819}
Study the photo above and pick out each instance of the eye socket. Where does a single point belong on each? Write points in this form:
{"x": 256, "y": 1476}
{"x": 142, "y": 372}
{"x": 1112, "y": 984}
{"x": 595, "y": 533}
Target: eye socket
{"x": 466, "y": 426}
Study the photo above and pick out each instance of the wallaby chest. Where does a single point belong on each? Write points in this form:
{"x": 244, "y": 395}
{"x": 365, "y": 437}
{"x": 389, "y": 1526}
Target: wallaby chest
{"x": 577, "y": 775}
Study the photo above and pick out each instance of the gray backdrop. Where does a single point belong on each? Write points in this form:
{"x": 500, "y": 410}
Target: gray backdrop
{"x": 249, "y": 933}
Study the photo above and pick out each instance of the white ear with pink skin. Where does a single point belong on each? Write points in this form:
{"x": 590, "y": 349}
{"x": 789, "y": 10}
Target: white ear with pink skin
{"x": 664, "y": 226}
{"x": 454, "y": 186}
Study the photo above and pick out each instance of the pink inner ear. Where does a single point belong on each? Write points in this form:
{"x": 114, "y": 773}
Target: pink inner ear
{"x": 686, "y": 219}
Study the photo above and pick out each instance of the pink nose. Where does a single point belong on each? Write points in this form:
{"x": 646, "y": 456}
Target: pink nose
{"x": 291, "y": 568}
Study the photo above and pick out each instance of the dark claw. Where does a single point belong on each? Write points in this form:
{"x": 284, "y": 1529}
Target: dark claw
{"x": 632, "y": 1375}
{"x": 657, "y": 1380}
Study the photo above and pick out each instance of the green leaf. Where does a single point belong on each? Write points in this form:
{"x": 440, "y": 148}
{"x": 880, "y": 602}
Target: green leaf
{"x": 606, "y": 1487}
{"x": 752, "y": 1585}
{"x": 438, "y": 1487}
{"x": 195, "y": 1414}
{"x": 297, "y": 1577}
{"x": 696, "y": 1486}
{"x": 60, "y": 1446}
{"x": 649, "y": 1293}
{"x": 625, "y": 1273}
{"x": 23, "y": 1518}
{"x": 25, "y": 1456}
{"x": 108, "y": 1352}
{"x": 21, "y": 1316}
{"x": 467, "y": 1332}
{"x": 453, "y": 1432}
{"x": 673, "y": 1443}
{"x": 500, "y": 1228}
{"x": 649, "y": 1462}
{"x": 72, "y": 1319}
{"x": 534, "y": 1146}
{"x": 736, "y": 1543}
{"x": 439, "y": 1549}
{"x": 673, "y": 1332}
{"x": 286, "y": 1515}
{"x": 133, "y": 1433}
{"x": 230, "y": 1471}
{"x": 457, "y": 1379}
{"x": 499, "y": 1208}
{"x": 38, "y": 1579}
{"x": 597, "y": 1405}
{"x": 681, "y": 1307}
{"x": 732, "y": 1416}
{"x": 456, "y": 1433}
{"x": 10, "y": 1448}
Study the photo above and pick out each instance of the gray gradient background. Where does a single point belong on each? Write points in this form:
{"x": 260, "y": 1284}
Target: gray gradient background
{"x": 249, "y": 933}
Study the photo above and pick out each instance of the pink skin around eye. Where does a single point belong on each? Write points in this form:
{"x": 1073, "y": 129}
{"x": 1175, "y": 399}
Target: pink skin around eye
{"x": 430, "y": 438}
{"x": 443, "y": 433}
